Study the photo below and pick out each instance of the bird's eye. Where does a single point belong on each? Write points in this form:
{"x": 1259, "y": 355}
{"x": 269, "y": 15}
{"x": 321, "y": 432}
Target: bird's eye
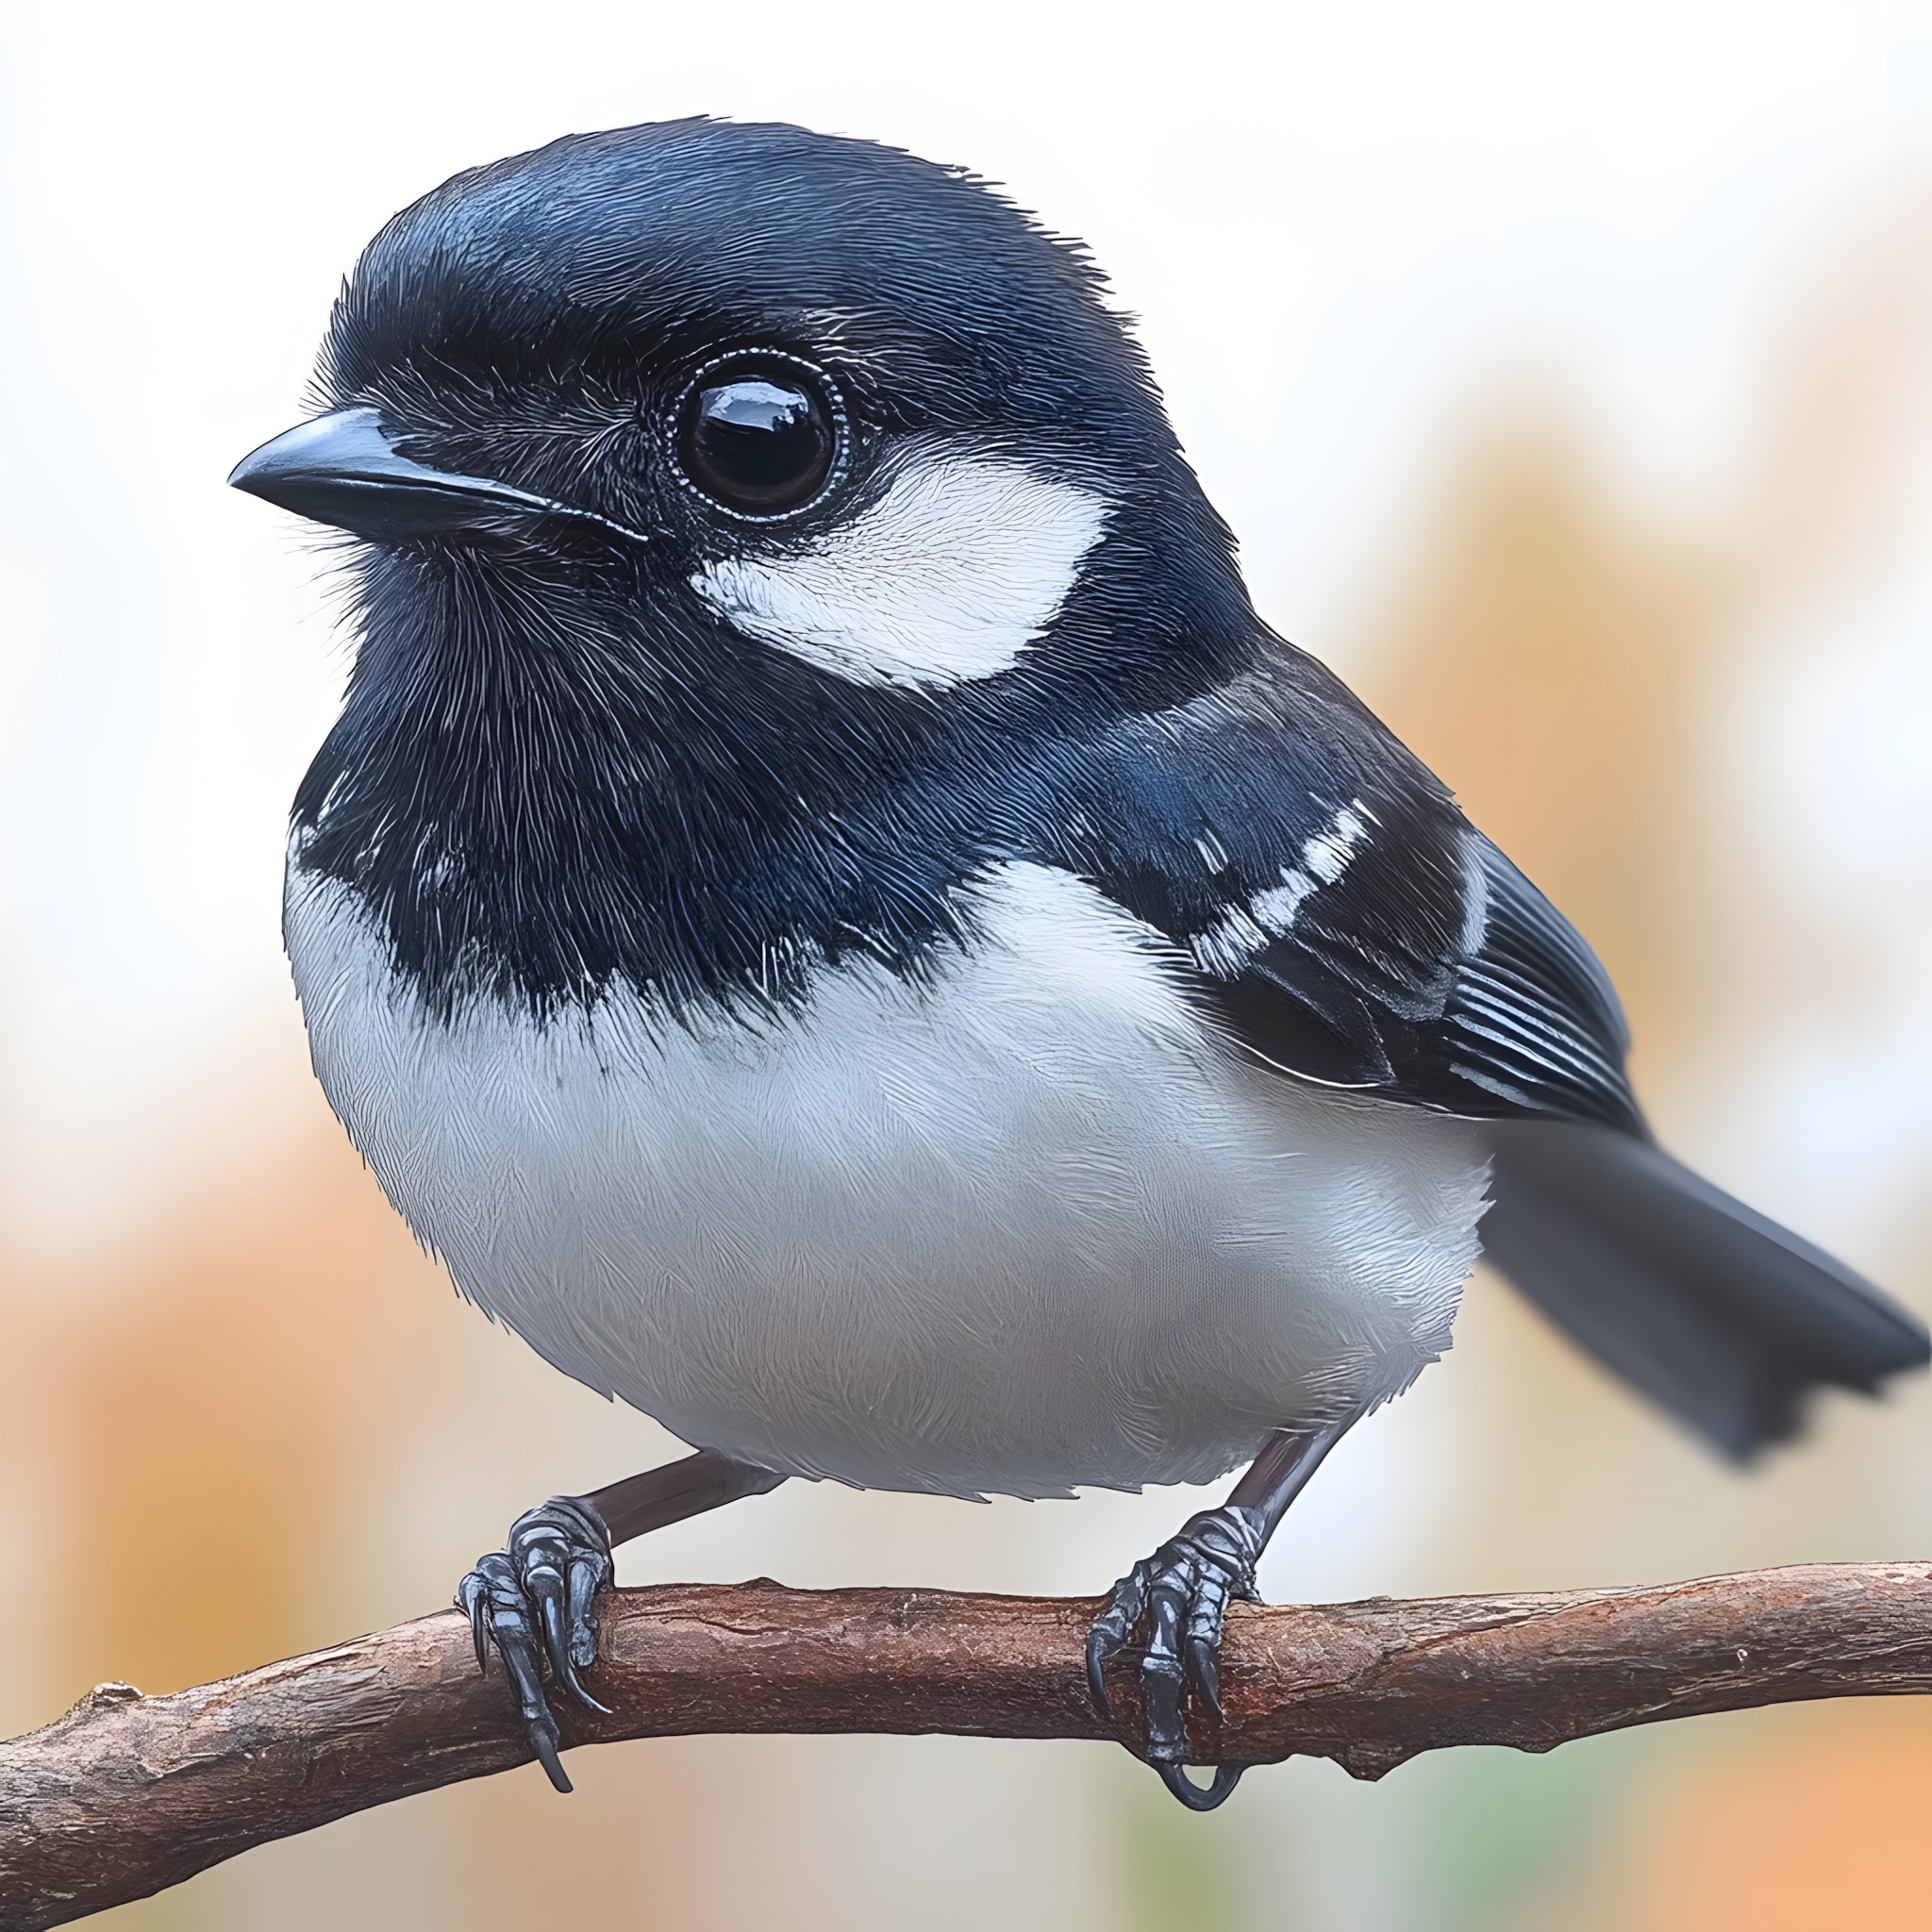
{"x": 759, "y": 436}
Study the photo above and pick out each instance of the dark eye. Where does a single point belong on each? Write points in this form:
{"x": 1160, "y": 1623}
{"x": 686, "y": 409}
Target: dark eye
{"x": 758, "y": 436}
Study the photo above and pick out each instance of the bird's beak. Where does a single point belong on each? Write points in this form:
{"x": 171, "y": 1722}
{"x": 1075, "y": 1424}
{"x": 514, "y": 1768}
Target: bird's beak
{"x": 344, "y": 469}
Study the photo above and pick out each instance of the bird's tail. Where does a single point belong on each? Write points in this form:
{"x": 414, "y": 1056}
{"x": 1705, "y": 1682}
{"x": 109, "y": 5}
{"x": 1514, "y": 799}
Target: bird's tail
{"x": 1720, "y": 1315}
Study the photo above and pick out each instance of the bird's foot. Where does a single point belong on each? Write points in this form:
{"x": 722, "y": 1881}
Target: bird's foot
{"x": 1183, "y": 1591}
{"x": 533, "y": 1599}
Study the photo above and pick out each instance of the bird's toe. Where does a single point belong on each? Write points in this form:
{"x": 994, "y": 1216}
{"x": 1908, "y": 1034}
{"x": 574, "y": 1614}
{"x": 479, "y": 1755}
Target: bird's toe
{"x": 1182, "y": 1593}
{"x": 1112, "y": 1628}
{"x": 534, "y": 1601}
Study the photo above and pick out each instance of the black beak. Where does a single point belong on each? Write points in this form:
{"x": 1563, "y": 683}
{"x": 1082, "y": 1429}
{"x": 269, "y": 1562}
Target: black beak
{"x": 342, "y": 469}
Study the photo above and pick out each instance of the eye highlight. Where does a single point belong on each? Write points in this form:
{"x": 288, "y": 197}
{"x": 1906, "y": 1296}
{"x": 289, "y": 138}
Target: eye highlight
{"x": 760, "y": 435}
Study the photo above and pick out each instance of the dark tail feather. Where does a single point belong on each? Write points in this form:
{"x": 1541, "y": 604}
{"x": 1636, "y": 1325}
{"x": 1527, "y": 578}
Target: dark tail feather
{"x": 1722, "y": 1317}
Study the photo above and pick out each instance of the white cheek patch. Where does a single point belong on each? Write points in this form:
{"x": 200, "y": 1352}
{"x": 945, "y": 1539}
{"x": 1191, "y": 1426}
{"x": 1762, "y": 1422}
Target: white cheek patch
{"x": 949, "y": 575}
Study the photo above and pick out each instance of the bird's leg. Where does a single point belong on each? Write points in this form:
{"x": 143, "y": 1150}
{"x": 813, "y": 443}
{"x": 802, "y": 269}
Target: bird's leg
{"x": 1183, "y": 1591}
{"x": 533, "y": 1598}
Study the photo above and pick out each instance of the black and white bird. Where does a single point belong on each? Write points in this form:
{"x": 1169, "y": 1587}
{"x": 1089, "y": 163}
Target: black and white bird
{"x": 829, "y": 911}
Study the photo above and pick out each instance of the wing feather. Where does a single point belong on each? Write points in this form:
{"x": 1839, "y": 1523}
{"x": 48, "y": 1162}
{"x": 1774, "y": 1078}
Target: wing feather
{"x": 1345, "y": 921}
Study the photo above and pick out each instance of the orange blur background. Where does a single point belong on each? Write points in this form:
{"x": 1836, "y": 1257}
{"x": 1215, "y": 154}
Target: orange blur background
{"x": 1567, "y": 376}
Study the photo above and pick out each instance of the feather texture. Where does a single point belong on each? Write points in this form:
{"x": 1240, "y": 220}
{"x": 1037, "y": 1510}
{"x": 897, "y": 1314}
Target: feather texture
{"x": 1025, "y": 1226}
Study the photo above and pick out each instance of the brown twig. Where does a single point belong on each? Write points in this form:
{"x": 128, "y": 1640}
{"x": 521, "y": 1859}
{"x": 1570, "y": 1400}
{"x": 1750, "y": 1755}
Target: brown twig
{"x": 127, "y": 1794}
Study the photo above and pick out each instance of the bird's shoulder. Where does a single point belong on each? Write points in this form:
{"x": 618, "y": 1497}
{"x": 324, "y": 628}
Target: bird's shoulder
{"x": 1337, "y": 912}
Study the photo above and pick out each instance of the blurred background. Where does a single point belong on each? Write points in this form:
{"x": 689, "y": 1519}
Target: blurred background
{"x": 1567, "y": 373}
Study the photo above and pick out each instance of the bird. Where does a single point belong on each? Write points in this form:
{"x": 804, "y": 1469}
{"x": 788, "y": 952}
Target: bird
{"x": 829, "y": 911}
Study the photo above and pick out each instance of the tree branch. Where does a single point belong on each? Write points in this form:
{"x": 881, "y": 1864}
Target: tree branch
{"x": 127, "y": 1794}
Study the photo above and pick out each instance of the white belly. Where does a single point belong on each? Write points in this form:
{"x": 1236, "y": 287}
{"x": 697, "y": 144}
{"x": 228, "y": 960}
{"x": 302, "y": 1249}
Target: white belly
{"x": 1026, "y": 1226}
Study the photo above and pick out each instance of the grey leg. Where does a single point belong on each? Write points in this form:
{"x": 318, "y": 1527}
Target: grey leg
{"x": 534, "y": 1598}
{"x": 1183, "y": 1591}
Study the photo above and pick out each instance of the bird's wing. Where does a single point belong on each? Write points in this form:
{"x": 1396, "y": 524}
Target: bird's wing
{"x": 1347, "y": 924}
{"x": 1351, "y": 927}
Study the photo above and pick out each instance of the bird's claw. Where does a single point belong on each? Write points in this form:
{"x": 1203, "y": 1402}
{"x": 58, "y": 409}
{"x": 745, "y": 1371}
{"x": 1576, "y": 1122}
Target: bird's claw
{"x": 1182, "y": 1591}
{"x": 533, "y": 1599}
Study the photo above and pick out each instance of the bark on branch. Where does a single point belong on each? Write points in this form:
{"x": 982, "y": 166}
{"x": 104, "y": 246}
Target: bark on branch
{"x": 127, "y": 1794}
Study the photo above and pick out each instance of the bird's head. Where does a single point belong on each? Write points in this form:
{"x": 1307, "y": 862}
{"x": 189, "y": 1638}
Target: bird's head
{"x": 744, "y": 410}
{"x": 744, "y": 524}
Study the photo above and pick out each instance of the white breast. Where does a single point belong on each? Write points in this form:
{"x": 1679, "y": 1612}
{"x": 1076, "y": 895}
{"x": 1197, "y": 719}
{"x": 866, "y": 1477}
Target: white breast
{"x": 1025, "y": 1226}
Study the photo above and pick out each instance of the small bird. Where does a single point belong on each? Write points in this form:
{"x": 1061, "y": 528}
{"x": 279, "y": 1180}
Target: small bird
{"x": 829, "y": 911}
